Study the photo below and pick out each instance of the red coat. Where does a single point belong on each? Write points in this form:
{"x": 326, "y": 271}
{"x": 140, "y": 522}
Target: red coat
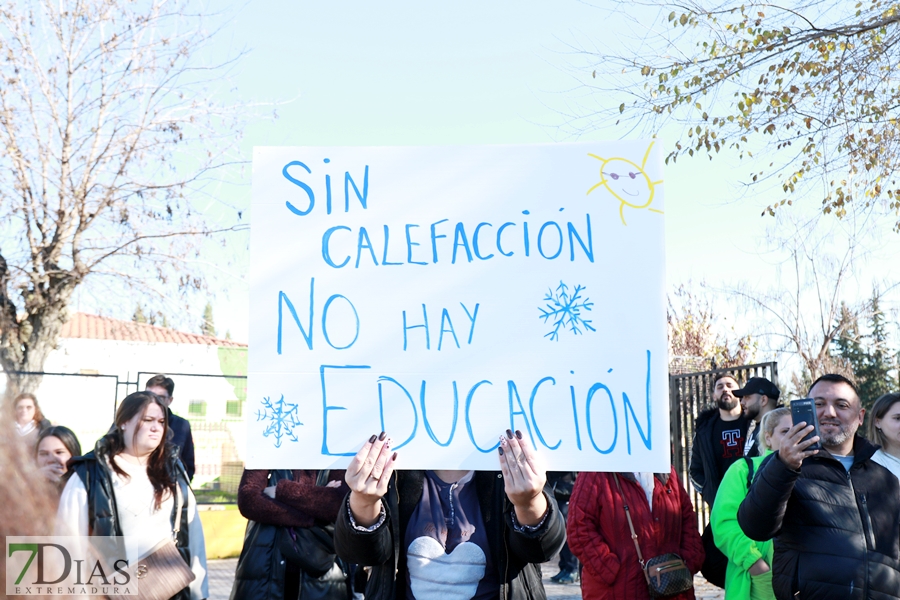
{"x": 598, "y": 533}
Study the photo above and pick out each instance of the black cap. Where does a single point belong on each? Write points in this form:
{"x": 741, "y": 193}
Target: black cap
{"x": 758, "y": 385}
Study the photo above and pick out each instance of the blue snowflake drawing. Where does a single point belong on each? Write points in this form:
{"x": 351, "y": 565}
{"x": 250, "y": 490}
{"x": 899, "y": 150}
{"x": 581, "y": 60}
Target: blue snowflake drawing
{"x": 282, "y": 418}
{"x": 564, "y": 311}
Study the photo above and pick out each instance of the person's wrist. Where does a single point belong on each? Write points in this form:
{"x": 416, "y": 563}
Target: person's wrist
{"x": 365, "y": 509}
{"x": 525, "y": 498}
{"x": 759, "y": 567}
{"x": 788, "y": 461}
{"x": 532, "y": 511}
{"x": 362, "y": 500}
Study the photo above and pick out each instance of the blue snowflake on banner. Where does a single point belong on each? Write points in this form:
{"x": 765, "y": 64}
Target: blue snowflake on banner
{"x": 565, "y": 311}
{"x": 282, "y": 419}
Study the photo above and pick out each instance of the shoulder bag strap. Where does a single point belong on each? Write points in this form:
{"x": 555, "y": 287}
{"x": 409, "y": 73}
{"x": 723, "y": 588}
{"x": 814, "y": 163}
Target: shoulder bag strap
{"x": 179, "y": 505}
{"x": 634, "y": 536}
{"x": 750, "y": 470}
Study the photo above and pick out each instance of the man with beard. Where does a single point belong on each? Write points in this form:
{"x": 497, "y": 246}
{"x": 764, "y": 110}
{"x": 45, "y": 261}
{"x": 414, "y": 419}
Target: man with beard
{"x": 834, "y": 513}
{"x": 758, "y": 397}
{"x": 719, "y": 434}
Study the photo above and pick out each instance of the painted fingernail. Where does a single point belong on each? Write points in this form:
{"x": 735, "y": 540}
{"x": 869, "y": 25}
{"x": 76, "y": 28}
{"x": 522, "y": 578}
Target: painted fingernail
{"x": 518, "y": 434}
{"x": 500, "y": 450}
{"x": 394, "y": 457}
{"x": 372, "y": 439}
{"x": 381, "y": 435}
{"x": 509, "y": 434}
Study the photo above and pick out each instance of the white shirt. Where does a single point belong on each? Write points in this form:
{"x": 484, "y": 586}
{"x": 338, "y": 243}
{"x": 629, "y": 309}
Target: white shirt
{"x": 648, "y": 482}
{"x": 888, "y": 461}
{"x": 138, "y": 517}
{"x": 24, "y": 430}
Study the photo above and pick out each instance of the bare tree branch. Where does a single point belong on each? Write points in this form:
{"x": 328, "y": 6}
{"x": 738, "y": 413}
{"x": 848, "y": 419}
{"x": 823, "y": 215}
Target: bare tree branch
{"x": 108, "y": 129}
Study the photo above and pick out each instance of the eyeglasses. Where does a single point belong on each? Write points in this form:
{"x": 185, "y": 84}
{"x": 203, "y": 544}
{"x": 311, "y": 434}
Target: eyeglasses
{"x": 615, "y": 176}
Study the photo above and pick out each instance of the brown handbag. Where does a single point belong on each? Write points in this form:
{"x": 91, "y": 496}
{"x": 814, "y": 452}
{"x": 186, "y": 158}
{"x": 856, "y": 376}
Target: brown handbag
{"x": 162, "y": 573}
{"x": 666, "y": 574}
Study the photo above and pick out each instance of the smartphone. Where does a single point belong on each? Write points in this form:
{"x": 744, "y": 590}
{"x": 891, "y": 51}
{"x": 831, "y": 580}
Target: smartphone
{"x": 804, "y": 410}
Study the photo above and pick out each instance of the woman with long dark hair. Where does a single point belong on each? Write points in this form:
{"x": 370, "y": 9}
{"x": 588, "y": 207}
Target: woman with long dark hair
{"x": 128, "y": 486}
{"x": 56, "y": 445}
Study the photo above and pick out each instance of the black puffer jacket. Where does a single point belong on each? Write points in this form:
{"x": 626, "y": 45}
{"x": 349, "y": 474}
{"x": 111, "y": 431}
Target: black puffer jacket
{"x": 262, "y": 570}
{"x": 837, "y": 534}
{"x": 517, "y": 555}
{"x": 103, "y": 519}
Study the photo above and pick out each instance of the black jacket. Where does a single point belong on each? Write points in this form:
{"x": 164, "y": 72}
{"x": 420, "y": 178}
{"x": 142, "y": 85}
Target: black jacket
{"x": 184, "y": 439}
{"x": 703, "y": 470}
{"x": 517, "y": 555}
{"x": 262, "y": 570}
{"x": 562, "y": 483}
{"x": 103, "y": 517}
{"x": 837, "y": 534}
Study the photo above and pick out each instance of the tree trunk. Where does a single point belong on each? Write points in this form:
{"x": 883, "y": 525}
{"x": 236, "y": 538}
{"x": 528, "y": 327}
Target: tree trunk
{"x": 24, "y": 368}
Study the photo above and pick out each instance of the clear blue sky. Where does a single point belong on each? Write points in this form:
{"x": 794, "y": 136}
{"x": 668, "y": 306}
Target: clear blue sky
{"x": 413, "y": 73}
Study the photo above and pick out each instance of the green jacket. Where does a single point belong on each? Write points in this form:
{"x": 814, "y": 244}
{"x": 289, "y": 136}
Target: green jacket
{"x": 741, "y": 551}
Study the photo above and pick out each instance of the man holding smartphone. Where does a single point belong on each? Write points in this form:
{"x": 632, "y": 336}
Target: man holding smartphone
{"x": 834, "y": 513}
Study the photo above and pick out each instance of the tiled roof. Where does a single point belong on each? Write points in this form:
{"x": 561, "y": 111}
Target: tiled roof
{"x": 94, "y": 327}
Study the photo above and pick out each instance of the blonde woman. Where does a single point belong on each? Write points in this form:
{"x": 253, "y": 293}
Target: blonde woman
{"x": 749, "y": 574}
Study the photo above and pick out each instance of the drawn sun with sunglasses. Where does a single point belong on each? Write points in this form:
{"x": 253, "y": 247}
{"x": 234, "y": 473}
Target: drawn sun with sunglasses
{"x": 628, "y": 182}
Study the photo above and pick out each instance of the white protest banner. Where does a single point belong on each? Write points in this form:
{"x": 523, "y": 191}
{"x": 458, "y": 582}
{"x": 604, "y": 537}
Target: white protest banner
{"x": 447, "y": 294}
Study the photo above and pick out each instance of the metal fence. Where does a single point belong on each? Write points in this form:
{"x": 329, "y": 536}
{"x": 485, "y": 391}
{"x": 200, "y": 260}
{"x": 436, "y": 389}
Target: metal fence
{"x": 213, "y": 404}
{"x": 690, "y": 394}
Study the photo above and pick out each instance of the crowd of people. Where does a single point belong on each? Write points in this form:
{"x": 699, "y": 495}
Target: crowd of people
{"x": 133, "y": 483}
{"x": 800, "y": 512}
{"x": 794, "y": 512}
